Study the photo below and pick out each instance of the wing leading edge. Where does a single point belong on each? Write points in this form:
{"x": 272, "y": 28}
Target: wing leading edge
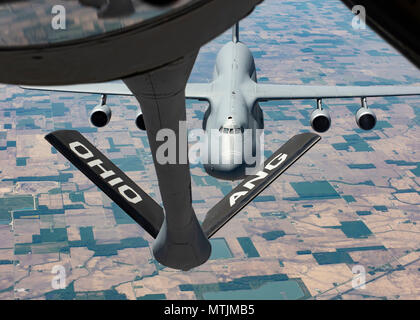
{"x": 290, "y": 92}
{"x": 199, "y": 91}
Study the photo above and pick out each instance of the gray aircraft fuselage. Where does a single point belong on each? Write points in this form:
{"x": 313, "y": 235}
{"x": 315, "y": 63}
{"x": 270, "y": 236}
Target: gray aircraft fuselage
{"x": 233, "y": 110}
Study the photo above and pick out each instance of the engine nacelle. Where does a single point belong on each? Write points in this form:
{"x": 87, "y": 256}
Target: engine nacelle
{"x": 320, "y": 120}
{"x": 365, "y": 118}
{"x": 100, "y": 115}
{"x": 140, "y": 121}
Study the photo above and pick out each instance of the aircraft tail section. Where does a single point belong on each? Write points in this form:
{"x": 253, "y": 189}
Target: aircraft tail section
{"x": 253, "y": 185}
{"x": 109, "y": 178}
{"x": 235, "y": 33}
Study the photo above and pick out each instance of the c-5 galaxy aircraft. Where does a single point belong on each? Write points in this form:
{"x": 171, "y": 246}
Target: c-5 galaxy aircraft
{"x": 233, "y": 97}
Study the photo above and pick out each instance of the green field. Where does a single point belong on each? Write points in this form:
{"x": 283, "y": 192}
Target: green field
{"x": 220, "y": 249}
{"x": 13, "y": 203}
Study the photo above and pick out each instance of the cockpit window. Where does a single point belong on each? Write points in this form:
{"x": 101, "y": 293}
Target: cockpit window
{"x": 231, "y": 130}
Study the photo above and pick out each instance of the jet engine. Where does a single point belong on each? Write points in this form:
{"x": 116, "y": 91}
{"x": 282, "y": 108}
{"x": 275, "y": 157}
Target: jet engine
{"x": 320, "y": 118}
{"x": 101, "y": 114}
{"x": 140, "y": 121}
{"x": 365, "y": 118}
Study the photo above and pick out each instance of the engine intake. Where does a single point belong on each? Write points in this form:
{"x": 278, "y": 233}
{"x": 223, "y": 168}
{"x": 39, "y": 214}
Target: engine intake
{"x": 140, "y": 121}
{"x": 101, "y": 114}
{"x": 320, "y": 118}
{"x": 365, "y": 118}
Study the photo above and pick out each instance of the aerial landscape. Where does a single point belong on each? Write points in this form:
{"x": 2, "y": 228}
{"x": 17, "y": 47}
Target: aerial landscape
{"x": 351, "y": 203}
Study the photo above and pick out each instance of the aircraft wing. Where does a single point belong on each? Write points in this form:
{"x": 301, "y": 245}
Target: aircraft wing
{"x": 199, "y": 91}
{"x": 264, "y": 92}
{"x": 108, "y": 88}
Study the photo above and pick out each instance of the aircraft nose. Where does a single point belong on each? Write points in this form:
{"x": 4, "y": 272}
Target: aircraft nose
{"x": 224, "y": 167}
{"x": 226, "y": 171}
{"x": 225, "y": 158}
{"x": 228, "y": 158}
{"x": 230, "y": 152}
